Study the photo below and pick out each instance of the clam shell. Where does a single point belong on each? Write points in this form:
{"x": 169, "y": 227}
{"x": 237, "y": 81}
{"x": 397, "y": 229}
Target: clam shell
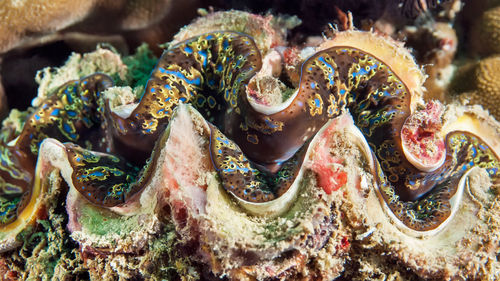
{"x": 462, "y": 247}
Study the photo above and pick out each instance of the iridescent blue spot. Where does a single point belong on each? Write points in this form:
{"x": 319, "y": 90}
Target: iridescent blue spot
{"x": 342, "y": 91}
{"x": 153, "y": 90}
{"x": 167, "y": 99}
{"x": 37, "y": 117}
{"x": 196, "y": 81}
{"x": 225, "y": 44}
{"x": 219, "y": 68}
{"x": 474, "y": 151}
{"x": 211, "y": 101}
{"x": 209, "y": 37}
{"x": 363, "y": 71}
{"x": 188, "y": 50}
{"x": 331, "y": 70}
{"x": 203, "y": 54}
{"x": 67, "y": 128}
{"x": 225, "y": 141}
{"x": 200, "y": 100}
{"x": 313, "y": 85}
{"x": 183, "y": 99}
{"x": 89, "y": 194}
{"x": 244, "y": 170}
{"x": 97, "y": 174}
{"x": 71, "y": 113}
{"x": 253, "y": 139}
{"x": 178, "y": 74}
{"x": 167, "y": 86}
{"x": 317, "y": 103}
{"x": 70, "y": 99}
{"x": 322, "y": 59}
{"x": 270, "y": 124}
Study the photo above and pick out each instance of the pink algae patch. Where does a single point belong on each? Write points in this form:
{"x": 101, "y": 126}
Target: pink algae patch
{"x": 328, "y": 169}
{"x": 328, "y": 177}
{"x": 291, "y": 56}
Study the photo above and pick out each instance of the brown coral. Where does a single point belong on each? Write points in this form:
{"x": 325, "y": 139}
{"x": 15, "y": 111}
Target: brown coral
{"x": 24, "y": 21}
{"x": 489, "y": 31}
{"x": 487, "y": 85}
{"x": 20, "y": 18}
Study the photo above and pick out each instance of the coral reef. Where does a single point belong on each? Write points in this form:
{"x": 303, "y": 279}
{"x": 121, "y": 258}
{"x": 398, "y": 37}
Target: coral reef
{"x": 26, "y": 21}
{"x": 240, "y": 155}
{"x": 489, "y": 34}
{"x": 478, "y": 84}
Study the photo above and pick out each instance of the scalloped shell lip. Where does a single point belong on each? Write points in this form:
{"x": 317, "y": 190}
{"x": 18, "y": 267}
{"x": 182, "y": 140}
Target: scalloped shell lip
{"x": 280, "y": 205}
{"x": 471, "y": 122}
{"x": 27, "y": 216}
{"x": 391, "y": 52}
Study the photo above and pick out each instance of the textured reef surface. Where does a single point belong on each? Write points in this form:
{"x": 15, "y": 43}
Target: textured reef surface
{"x": 240, "y": 155}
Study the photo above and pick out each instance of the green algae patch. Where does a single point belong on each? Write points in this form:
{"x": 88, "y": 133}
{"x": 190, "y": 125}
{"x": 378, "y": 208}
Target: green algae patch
{"x": 294, "y": 221}
{"x": 13, "y": 124}
{"x": 139, "y": 67}
{"x": 287, "y": 93}
{"x": 102, "y": 222}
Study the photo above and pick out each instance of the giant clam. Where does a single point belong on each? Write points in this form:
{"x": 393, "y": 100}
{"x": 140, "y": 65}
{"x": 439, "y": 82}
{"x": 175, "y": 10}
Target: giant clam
{"x": 253, "y": 189}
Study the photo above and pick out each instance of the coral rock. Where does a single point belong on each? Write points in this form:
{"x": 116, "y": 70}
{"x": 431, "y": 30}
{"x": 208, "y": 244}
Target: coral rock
{"x": 490, "y": 31}
{"x": 487, "y": 86}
